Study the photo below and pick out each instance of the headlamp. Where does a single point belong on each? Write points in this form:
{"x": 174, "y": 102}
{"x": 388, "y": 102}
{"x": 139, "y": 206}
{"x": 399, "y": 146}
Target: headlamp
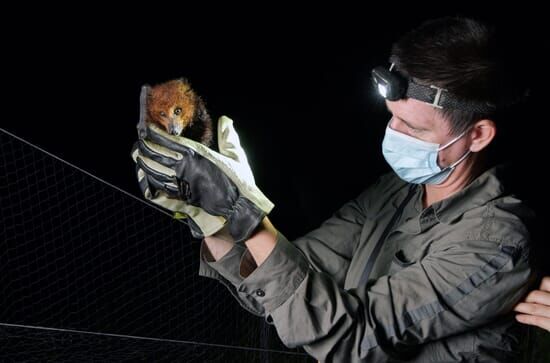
{"x": 393, "y": 86}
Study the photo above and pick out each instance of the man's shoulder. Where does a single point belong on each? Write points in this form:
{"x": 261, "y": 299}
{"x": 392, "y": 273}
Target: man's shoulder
{"x": 507, "y": 217}
{"x": 503, "y": 221}
{"x": 486, "y": 210}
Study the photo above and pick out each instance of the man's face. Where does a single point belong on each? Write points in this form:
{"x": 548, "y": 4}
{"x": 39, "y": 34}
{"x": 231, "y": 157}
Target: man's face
{"x": 422, "y": 121}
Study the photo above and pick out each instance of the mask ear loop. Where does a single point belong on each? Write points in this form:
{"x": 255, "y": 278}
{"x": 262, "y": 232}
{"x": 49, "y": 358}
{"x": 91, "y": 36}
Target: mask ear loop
{"x": 454, "y": 140}
{"x": 453, "y": 165}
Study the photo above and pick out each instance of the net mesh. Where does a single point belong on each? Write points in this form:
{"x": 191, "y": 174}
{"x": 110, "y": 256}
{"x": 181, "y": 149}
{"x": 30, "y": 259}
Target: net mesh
{"x": 87, "y": 272}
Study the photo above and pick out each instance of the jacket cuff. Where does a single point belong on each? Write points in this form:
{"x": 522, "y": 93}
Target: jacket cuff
{"x": 227, "y": 266}
{"x": 278, "y": 277}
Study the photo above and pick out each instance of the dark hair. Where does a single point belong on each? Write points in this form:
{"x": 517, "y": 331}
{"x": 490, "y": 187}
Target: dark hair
{"x": 460, "y": 55}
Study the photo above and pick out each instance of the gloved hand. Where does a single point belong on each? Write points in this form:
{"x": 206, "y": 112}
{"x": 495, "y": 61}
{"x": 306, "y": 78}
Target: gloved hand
{"x": 221, "y": 184}
{"x": 200, "y": 223}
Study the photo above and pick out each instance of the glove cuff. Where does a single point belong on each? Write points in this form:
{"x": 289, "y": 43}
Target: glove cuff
{"x": 245, "y": 218}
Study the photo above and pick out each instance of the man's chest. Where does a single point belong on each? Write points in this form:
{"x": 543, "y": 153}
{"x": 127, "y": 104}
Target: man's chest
{"x": 385, "y": 247}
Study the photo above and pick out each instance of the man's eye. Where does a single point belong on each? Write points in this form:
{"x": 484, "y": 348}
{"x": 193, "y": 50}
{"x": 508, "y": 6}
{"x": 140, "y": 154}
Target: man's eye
{"x": 163, "y": 113}
{"x": 177, "y": 111}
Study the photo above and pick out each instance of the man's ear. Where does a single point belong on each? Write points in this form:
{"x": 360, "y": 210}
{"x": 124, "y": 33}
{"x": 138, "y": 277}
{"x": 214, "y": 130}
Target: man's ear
{"x": 481, "y": 134}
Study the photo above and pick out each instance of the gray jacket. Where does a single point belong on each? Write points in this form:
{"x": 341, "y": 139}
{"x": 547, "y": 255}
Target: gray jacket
{"x": 385, "y": 280}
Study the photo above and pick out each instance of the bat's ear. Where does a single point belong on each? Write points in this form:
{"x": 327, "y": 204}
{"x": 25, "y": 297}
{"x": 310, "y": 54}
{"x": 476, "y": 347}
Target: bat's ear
{"x": 186, "y": 82}
{"x": 141, "y": 126}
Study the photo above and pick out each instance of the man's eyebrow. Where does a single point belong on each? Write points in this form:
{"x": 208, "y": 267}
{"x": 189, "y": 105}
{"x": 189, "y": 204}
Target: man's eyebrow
{"x": 409, "y": 124}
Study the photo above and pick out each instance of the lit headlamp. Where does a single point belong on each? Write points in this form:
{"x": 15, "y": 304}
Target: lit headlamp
{"x": 393, "y": 86}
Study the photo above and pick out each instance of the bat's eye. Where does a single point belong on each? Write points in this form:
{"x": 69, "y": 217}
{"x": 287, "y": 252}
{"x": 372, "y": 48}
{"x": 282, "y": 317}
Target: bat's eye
{"x": 163, "y": 114}
{"x": 177, "y": 110}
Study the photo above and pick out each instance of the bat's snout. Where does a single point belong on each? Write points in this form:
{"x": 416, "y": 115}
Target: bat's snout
{"x": 175, "y": 128}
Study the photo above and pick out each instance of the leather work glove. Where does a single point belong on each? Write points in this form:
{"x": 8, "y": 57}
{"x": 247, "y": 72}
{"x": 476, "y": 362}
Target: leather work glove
{"x": 218, "y": 184}
{"x": 200, "y": 223}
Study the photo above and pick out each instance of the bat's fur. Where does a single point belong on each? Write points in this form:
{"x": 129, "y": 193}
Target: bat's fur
{"x": 174, "y": 106}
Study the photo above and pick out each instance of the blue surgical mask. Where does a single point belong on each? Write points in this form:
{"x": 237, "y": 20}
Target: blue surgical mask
{"x": 414, "y": 160}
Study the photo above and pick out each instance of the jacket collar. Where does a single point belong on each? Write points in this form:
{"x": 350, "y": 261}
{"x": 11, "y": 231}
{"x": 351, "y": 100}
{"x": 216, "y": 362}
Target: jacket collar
{"x": 480, "y": 191}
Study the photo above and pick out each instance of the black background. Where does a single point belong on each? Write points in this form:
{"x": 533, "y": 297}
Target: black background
{"x": 295, "y": 83}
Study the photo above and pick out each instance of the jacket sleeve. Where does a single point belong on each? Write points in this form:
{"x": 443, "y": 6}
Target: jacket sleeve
{"x": 329, "y": 248}
{"x": 453, "y": 289}
{"x": 226, "y": 271}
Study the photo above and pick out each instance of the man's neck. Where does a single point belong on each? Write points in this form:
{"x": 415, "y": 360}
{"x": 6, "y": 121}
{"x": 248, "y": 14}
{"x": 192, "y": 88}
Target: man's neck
{"x": 464, "y": 173}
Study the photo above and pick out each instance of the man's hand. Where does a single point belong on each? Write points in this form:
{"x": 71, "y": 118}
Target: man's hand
{"x": 219, "y": 183}
{"x": 199, "y": 222}
{"x": 536, "y": 307}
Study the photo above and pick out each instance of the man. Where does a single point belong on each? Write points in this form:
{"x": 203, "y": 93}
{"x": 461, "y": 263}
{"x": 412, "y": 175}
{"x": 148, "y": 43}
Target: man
{"x": 425, "y": 265}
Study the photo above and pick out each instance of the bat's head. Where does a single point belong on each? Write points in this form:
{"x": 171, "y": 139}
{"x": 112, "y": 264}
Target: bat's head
{"x": 172, "y": 105}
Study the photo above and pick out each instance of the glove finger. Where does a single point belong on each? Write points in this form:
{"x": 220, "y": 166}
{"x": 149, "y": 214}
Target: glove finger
{"x": 135, "y": 151}
{"x": 204, "y": 224}
{"x": 153, "y": 183}
{"x": 169, "y": 188}
{"x": 187, "y": 148}
{"x": 158, "y": 153}
{"x": 144, "y": 183}
{"x": 161, "y": 174}
{"x": 150, "y": 186}
{"x": 168, "y": 143}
